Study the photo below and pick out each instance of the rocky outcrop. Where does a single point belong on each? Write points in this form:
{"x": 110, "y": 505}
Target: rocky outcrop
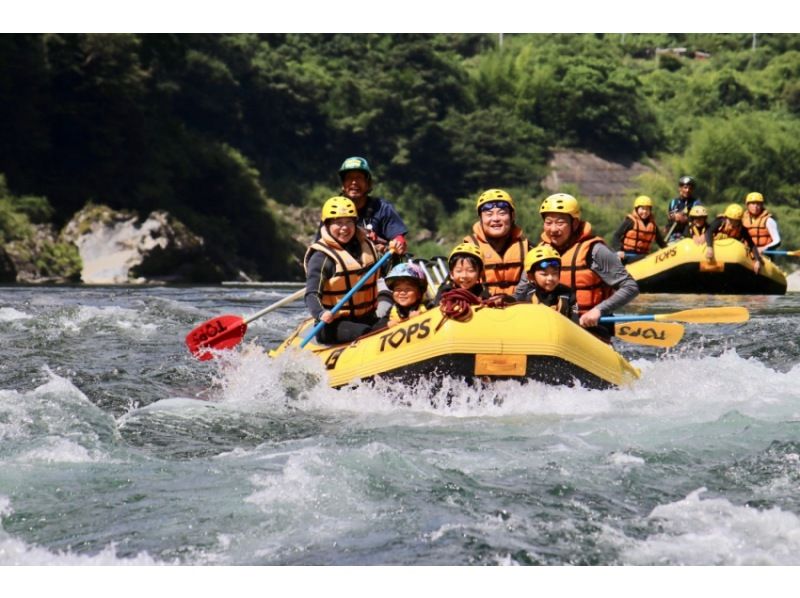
{"x": 39, "y": 256}
{"x": 598, "y": 179}
{"x": 120, "y": 247}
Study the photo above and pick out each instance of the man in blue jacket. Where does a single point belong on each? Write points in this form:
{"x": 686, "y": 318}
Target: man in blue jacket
{"x": 375, "y": 214}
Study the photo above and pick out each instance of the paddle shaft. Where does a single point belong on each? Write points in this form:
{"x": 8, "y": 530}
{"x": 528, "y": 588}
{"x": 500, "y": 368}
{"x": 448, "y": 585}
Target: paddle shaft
{"x": 346, "y": 298}
{"x": 286, "y": 300}
{"x": 702, "y": 315}
{"x": 795, "y": 253}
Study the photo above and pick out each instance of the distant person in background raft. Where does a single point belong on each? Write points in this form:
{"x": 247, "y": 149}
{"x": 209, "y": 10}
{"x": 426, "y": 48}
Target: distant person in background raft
{"x": 466, "y": 267}
{"x": 698, "y": 223}
{"x": 588, "y": 265}
{"x": 407, "y": 285}
{"x": 502, "y": 243}
{"x": 543, "y": 268}
{"x": 376, "y": 215}
{"x": 333, "y": 264}
{"x": 638, "y": 231}
{"x": 678, "y": 209}
{"x": 728, "y": 225}
{"x": 760, "y": 224}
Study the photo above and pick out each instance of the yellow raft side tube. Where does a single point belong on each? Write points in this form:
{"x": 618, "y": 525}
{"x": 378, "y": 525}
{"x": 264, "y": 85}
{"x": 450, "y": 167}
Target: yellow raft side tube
{"x": 520, "y": 341}
{"x": 683, "y": 268}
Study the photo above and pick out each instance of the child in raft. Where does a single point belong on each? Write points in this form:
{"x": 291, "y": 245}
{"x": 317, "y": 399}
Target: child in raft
{"x": 407, "y": 284}
{"x": 543, "y": 265}
{"x": 466, "y": 266}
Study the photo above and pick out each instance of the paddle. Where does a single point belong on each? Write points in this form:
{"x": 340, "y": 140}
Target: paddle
{"x": 225, "y": 332}
{"x": 654, "y": 334}
{"x": 702, "y": 315}
{"x": 795, "y": 253}
{"x": 346, "y": 298}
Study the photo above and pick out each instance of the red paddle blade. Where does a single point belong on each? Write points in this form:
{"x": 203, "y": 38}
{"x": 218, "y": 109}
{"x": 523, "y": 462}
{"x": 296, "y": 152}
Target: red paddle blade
{"x": 222, "y": 332}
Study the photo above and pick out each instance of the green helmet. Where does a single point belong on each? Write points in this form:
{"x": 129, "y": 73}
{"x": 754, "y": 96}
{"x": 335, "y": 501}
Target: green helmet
{"x": 355, "y": 163}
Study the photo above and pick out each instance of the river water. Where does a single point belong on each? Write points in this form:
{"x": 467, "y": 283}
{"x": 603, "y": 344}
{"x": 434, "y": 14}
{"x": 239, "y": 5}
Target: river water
{"x": 116, "y": 447}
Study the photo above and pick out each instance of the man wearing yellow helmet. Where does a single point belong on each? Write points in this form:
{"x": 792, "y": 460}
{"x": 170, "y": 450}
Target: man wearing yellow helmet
{"x": 376, "y": 215}
{"x": 728, "y": 225}
{"x": 678, "y": 210}
{"x": 543, "y": 269}
{"x": 601, "y": 283}
{"x": 502, "y": 243}
{"x": 333, "y": 264}
{"x": 638, "y": 230}
{"x": 760, "y": 223}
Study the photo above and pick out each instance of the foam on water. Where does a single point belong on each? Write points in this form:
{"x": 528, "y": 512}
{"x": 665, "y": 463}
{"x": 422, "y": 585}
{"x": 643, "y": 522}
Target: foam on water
{"x": 17, "y": 552}
{"x": 713, "y": 531}
{"x": 9, "y": 314}
{"x": 55, "y": 422}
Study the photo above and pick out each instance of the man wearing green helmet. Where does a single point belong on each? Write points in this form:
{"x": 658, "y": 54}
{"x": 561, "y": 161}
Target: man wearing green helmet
{"x": 376, "y": 215}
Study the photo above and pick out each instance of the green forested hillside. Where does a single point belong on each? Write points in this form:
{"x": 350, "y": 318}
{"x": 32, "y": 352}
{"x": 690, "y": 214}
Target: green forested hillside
{"x": 212, "y": 127}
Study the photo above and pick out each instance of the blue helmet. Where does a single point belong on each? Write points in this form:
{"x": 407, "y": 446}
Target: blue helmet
{"x": 407, "y": 271}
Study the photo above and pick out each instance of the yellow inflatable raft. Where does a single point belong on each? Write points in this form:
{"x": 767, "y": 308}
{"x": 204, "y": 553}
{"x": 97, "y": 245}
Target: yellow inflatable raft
{"x": 683, "y": 268}
{"x": 524, "y": 341}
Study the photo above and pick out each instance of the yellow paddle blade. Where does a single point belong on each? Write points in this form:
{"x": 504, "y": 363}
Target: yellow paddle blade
{"x": 654, "y": 334}
{"x": 708, "y": 315}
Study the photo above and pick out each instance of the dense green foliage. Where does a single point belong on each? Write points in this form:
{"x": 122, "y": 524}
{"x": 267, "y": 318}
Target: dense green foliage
{"x": 212, "y": 127}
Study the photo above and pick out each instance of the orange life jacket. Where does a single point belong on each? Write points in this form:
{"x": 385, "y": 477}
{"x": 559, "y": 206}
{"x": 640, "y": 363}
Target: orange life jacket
{"x": 639, "y": 238}
{"x": 347, "y": 273}
{"x": 501, "y": 273}
{"x": 575, "y": 272}
{"x": 726, "y": 231}
{"x": 757, "y": 227}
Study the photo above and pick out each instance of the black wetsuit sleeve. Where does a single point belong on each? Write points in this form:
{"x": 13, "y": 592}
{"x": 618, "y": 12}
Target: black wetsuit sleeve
{"x": 320, "y": 268}
{"x": 660, "y": 240}
{"x": 623, "y": 228}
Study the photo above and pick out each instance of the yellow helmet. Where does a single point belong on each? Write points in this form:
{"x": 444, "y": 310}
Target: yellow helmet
{"x": 562, "y": 203}
{"x": 754, "y": 197}
{"x": 698, "y": 212}
{"x": 339, "y": 207}
{"x": 494, "y": 195}
{"x": 541, "y": 253}
{"x": 642, "y": 202}
{"x": 734, "y": 212}
{"x": 465, "y": 249}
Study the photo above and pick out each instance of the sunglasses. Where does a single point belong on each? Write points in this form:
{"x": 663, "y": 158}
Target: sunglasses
{"x": 544, "y": 264}
{"x": 500, "y": 205}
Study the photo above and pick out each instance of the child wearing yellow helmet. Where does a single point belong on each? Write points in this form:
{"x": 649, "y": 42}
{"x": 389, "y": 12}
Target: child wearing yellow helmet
{"x": 466, "y": 266}
{"x": 698, "y": 223}
{"x": 728, "y": 225}
{"x": 543, "y": 268}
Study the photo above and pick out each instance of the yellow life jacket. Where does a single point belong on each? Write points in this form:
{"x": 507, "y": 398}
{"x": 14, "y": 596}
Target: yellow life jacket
{"x": 757, "y": 227}
{"x": 501, "y": 273}
{"x": 348, "y": 271}
{"x": 590, "y": 290}
{"x": 639, "y": 238}
{"x": 395, "y": 316}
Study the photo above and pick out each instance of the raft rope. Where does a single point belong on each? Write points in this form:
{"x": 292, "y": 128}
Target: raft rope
{"x": 456, "y": 304}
